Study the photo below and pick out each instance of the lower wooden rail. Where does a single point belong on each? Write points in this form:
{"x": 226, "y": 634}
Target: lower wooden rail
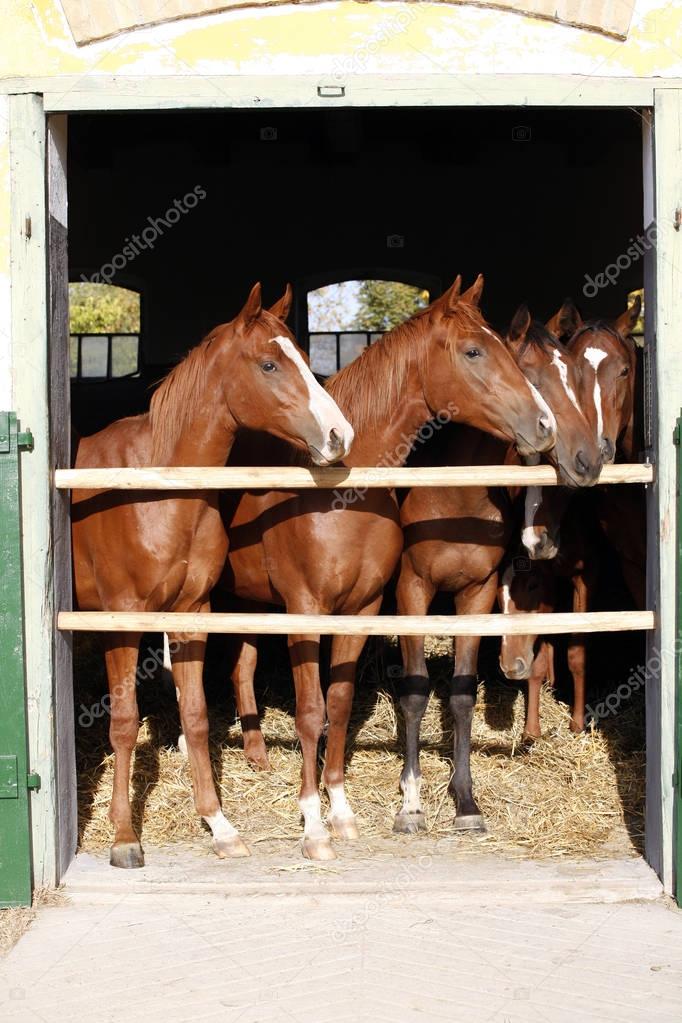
{"x": 357, "y": 625}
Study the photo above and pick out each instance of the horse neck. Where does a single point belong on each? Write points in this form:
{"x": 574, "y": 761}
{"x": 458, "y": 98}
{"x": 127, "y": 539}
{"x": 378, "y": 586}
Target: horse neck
{"x": 386, "y": 440}
{"x": 209, "y": 429}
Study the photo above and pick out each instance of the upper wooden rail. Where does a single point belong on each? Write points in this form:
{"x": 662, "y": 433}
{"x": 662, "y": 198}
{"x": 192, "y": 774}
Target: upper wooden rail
{"x": 332, "y": 477}
{"x": 357, "y": 625}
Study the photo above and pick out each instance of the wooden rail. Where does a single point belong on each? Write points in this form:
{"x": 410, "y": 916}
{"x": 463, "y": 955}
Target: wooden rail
{"x": 357, "y": 625}
{"x": 333, "y": 477}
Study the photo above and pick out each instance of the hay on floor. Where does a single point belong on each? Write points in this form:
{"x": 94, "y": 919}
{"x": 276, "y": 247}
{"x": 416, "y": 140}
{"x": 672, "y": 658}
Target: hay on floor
{"x": 562, "y": 795}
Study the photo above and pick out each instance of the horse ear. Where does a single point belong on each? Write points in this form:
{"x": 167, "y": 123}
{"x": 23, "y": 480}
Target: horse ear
{"x": 566, "y": 321}
{"x": 625, "y": 324}
{"x": 254, "y": 305}
{"x": 282, "y": 306}
{"x": 450, "y": 297}
{"x": 473, "y": 295}
{"x": 519, "y": 326}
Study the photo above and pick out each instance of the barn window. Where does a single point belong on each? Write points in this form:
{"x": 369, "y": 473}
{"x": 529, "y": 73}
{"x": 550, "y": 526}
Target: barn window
{"x": 104, "y": 324}
{"x": 346, "y": 317}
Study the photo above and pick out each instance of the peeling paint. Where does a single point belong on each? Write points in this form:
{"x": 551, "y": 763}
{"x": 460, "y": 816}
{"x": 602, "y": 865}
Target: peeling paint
{"x": 36, "y": 40}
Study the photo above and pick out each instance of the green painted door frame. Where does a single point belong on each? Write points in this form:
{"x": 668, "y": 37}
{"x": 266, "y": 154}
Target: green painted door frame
{"x": 15, "y": 778}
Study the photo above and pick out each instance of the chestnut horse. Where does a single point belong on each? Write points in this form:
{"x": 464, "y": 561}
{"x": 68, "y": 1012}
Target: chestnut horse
{"x": 333, "y": 553}
{"x": 528, "y": 587}
{"x": 565, "y": 527}
{"x": 455, "y": 539}
{"x": 137, "y": 551}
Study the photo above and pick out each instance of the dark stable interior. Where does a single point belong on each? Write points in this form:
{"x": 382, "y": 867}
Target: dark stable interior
{"x": 535, "y": 199}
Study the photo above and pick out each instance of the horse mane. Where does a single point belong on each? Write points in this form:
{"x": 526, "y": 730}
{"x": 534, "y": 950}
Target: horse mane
{"x": 371, "y": 386}
{"x": 597, "y": 327}
{"x": 538, "y": 336}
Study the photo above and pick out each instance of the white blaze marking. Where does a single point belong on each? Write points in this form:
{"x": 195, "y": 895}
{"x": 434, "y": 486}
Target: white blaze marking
{"x": 411, "y": 790}
{"x": 543, "y": 406}
{"x": 312, "y": 817}
{"x": 324, "y": 409}
{"x": 167, "y": 663}
{"x": 532, "y": 501}
{"x": 561, "y": 366}
{"x": 220, "y": 826}
{"x": 595, "y": 356}
{"x": 506, "y": 589}
{"x": 339, "y": 805}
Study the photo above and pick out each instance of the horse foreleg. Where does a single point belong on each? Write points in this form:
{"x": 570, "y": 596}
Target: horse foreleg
{"x": 247, "y": 708}
{"x": 121, "y": 661}
{"x": 414, "y": 596}
{"x": 478, "y": 599}
{"x": 576, "y": 655}
{"x": 305, "y": 663}
{"x": 187, "y": 655}
{"x": 345, "y": 655}
{"x": 538, "y": 673}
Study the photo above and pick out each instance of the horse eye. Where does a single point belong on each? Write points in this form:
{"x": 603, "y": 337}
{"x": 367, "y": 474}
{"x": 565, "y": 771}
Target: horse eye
{"x": 473, "y": 353}
{"x": 269, "y": 367}
{"x": 625, "y": 370}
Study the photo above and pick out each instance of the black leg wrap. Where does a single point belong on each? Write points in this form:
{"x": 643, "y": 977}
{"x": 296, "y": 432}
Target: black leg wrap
{"x": 413, "y": 685}
{"x": 463, "y": 685}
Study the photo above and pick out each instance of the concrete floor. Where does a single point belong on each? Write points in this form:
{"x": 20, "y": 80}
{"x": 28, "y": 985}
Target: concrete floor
{"x": 417, "y": 937}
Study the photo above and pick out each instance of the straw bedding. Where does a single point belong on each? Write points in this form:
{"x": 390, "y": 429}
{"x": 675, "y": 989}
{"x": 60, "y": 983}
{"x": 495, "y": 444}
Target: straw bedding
{"x": 562, "y": 795}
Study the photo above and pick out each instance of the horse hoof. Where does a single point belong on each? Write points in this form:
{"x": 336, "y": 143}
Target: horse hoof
{"x": 531, "y": 736}
{"x": 576, "y": 728}
{"x": 258, "y": 760}
{"x": 344, "y": 828}
{"x": 126, "y": 855}
{"x": 230, "y": 848}
{"x": 318, "y": 849}
{"x": 409, "y": 823}
{"x": 470, "y": 822}
{"x": 182, "y": 745}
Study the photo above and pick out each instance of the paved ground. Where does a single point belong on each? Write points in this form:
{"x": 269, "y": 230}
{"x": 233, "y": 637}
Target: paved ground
{"x": 524, "y": 946}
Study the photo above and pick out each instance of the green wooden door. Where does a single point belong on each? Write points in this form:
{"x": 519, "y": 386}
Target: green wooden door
{"x": 677, "y": 775}
{"x": 15, "y": 779}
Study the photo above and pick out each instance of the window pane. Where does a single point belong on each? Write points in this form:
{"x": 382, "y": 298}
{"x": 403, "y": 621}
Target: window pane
{"x": 352, "y": 345}
{"x": 124, "y": 356}
{"x": 73, "y": 356}
{"x": 323, "y": 354}
{"x": 94, "y": 356}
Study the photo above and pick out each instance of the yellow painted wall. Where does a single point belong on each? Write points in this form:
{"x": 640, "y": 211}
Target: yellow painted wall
{"x": 35, "y": 40}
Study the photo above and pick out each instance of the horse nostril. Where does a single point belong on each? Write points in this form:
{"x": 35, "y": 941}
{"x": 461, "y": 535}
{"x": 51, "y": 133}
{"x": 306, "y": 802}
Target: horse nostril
{"x": 607, "y": 449}
{"x": 520, "y": 667}
{"x": 581, "y": 463}
{"x": 544, "y": 426}
{"x": 335, "y": 440}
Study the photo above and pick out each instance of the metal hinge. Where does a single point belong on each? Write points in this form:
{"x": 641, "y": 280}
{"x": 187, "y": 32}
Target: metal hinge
{"x": 25, "y": 441}
{"x": 33, "y": 782}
